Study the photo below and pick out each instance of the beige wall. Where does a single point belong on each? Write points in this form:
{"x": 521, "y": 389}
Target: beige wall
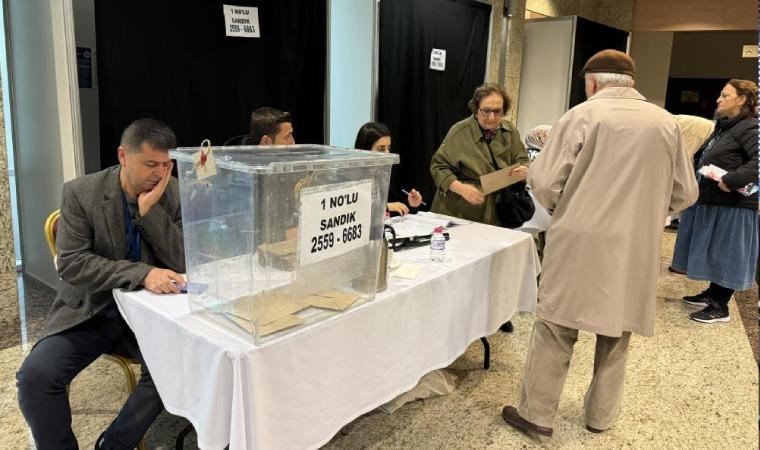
{"x": 693, "y": 15}
{"x": 533, "y": 15}
{"x": 651, "y": 51}
{"x": 712, "y": 54}
{"x": 617, "y": 14}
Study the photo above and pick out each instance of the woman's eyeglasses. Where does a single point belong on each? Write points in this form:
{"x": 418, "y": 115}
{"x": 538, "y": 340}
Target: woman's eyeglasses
{"x": 486, "y": 112}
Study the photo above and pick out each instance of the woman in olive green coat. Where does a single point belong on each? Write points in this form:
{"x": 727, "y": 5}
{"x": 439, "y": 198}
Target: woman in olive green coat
{"x": 464, "y": 156}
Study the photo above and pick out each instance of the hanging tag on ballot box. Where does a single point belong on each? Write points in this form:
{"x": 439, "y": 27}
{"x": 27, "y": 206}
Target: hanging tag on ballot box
{"x": 203, "y": 161}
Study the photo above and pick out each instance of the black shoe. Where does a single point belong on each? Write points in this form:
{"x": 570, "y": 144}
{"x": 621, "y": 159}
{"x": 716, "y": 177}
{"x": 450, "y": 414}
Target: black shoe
{"x": 507, "y": 327}
{"x": 711, "y": 314}
{"x": 701, "y": 299}
{"x": 512, "y": 418}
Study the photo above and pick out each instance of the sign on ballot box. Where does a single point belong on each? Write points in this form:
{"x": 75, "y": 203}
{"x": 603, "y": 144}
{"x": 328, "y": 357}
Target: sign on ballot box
{"x": 335, "y": 219}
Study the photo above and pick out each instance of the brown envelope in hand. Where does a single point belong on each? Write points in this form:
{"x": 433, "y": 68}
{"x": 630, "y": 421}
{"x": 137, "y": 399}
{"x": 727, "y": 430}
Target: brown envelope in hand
{"x": 499, "y": 179}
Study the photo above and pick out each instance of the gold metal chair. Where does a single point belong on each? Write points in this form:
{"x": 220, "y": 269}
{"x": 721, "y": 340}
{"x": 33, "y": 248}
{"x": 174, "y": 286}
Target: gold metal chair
{"x": 124, "y": 362}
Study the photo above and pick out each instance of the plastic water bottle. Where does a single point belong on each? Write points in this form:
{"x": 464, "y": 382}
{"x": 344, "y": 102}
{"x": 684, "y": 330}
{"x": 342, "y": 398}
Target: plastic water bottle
{"x": 438, "y": 245}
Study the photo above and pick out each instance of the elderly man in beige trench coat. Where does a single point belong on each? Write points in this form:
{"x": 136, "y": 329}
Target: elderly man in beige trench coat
{"x": 612, "y": 170}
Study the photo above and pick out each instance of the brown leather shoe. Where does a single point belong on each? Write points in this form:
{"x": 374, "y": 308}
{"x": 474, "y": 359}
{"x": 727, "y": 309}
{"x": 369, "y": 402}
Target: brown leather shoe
{"x": 510, "y": 415}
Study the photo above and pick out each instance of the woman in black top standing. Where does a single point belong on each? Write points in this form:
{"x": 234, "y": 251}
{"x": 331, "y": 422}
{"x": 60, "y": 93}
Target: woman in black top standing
{"x": 718, "y": 239}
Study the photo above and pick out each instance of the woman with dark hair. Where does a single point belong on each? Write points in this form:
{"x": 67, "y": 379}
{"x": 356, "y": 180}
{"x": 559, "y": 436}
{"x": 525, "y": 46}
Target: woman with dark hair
{"x": 376, "y": 137}
{"x": 373, "y": 136}
{"x": 478, "y": 145}
{"x": 717, "y": 238}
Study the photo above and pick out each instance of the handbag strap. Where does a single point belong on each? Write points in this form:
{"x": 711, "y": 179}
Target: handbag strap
{"x": 493, "y": 160}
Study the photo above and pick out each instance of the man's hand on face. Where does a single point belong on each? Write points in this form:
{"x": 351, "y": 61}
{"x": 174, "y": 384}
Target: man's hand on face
{"x": 147, "y": 199}
{"x": 163, "y": 281}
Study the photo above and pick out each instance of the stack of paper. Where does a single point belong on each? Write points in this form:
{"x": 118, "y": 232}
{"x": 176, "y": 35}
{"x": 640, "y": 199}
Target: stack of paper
{"x": 421, "y": 224}
{"x": 448, "y": 219}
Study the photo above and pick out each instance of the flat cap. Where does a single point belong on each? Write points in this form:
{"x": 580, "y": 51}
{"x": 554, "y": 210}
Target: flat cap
{"x": 609, "y": 61}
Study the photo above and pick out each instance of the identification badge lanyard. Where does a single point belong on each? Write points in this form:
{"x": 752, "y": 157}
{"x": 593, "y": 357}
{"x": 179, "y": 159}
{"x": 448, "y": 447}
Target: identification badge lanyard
{"x": 704, "y": 153}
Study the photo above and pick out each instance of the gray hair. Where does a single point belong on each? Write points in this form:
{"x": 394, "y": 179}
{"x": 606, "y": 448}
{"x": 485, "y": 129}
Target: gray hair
{"x": 605, "y": 79}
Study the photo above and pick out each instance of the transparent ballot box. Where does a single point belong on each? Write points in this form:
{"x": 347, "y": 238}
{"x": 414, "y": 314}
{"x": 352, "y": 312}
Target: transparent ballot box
{"x": 278, "y": 237}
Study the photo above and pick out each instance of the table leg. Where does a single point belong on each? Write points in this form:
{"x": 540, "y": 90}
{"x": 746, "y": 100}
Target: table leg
{"x": 486, "y": 353}
{"x": 180, "y": 444}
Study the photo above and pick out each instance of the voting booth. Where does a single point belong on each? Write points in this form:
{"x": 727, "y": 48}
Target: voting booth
{"x": 277, "y": 237}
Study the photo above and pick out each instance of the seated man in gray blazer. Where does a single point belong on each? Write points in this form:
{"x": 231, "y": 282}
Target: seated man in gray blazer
{"x": 119, "y": 228}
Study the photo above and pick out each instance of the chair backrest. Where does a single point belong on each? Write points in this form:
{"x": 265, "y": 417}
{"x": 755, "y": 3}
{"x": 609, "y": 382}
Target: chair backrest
{"x": 241, "y": 139}
{"x": 51, "y": 229}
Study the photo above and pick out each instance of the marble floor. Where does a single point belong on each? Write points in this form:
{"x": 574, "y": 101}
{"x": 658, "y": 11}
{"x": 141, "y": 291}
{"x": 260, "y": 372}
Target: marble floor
{"x": 690, "y": 386}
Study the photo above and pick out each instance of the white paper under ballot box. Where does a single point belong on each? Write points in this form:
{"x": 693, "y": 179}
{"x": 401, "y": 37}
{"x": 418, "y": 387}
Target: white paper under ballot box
{"x": 278, "y": 237}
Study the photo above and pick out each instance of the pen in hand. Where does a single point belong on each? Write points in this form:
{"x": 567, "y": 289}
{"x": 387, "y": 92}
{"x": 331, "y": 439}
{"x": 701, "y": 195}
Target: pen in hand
{"x": 405, "y": 192}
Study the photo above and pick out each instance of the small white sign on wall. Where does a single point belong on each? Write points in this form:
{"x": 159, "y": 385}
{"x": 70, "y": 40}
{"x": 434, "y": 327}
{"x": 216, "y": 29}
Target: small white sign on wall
{"x": 438, "y": 59}
{"x": 749, "y": 51}
{"x": 241, "y": 21}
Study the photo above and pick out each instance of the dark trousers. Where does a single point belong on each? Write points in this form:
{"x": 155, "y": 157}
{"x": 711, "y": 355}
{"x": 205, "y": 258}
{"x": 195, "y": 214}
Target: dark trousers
{"x": 57, "y": 359}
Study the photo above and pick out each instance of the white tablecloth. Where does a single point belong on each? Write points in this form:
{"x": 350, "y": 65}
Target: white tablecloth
{"x": 297, "y": 391}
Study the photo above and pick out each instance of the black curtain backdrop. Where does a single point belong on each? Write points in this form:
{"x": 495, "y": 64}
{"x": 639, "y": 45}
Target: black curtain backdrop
{"x": 418, "y": 104}
{"x": 170, "y": 60}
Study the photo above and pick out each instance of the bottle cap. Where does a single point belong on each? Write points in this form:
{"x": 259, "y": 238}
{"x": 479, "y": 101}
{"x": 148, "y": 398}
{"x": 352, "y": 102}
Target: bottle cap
{"x": 438, "y": 230}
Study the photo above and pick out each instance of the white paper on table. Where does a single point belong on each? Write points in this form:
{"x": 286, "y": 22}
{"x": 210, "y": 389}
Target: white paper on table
{"x": 416, "y": 225}
{"x": 428, "y": 221}
{"x": 407, "y": 270}
{"x": 448, "y": 219}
